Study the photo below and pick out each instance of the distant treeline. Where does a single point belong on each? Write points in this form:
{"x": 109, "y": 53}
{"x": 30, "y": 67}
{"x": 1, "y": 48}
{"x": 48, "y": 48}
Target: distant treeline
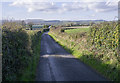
{"x": 57, "y": 22}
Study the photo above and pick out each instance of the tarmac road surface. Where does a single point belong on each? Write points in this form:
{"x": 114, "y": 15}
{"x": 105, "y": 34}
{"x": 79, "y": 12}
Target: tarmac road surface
{"x": 56, "y": 64}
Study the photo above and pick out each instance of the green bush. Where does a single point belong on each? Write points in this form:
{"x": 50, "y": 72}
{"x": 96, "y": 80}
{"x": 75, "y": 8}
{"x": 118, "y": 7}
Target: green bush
{"x": 21, "y": 51}
{"x": 105, "y": 35}
{"x": 29, "y": 73}
{"x": 15, "y": 50}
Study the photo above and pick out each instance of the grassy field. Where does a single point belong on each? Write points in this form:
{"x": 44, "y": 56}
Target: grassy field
{"x": 78, "y": 27}
{"x": 78, "y": 30}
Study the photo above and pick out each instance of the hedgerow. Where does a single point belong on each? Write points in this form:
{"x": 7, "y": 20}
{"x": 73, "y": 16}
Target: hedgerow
{"x": 15, "y": 50}
{"x": 99, "y": 47}
{"x": 20, "y": 52}
{"x": 105, "y": 35}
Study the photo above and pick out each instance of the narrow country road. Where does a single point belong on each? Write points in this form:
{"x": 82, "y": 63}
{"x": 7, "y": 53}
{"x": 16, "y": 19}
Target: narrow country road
{"x": 56, "y": 64}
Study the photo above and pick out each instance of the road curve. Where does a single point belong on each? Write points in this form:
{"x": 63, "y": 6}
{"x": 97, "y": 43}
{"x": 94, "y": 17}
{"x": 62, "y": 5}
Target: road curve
{"x": 56, "y": 64}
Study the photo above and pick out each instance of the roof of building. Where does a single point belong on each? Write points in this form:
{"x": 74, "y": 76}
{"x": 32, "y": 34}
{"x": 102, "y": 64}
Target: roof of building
{"x": 37, "y": 26}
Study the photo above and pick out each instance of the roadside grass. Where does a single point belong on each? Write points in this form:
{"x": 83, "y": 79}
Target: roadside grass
{"x": 72, "y": 31}
{"x": 105, "y": 68}
{"x": 30, "y": 71}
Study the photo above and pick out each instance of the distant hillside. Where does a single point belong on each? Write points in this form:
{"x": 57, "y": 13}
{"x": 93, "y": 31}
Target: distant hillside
{"x": 36, "y": 21}
{"x": 57, "y": 22}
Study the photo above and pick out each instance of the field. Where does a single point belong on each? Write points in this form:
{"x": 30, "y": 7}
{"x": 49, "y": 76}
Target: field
{"x": 78, "y": 27}
{"x": 78, "y": 30}
{"x": 96, "y": 46}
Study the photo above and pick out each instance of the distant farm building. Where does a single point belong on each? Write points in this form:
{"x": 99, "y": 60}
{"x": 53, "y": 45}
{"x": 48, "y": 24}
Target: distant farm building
{"x": 36, "y": 27}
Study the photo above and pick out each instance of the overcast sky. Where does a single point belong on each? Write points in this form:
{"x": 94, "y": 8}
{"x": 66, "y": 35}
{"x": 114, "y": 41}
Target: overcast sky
{"x": 75, "y": 10}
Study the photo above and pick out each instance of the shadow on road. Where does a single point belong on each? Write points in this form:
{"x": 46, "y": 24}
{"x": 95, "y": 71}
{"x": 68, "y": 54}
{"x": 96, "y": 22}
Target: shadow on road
{"x": 56, "y": 64}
